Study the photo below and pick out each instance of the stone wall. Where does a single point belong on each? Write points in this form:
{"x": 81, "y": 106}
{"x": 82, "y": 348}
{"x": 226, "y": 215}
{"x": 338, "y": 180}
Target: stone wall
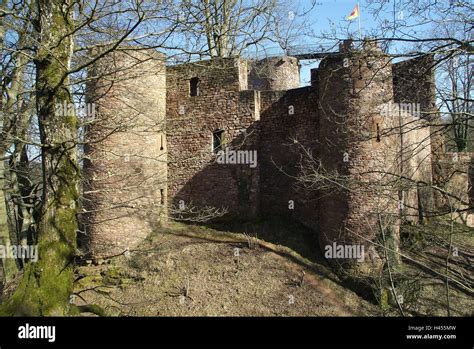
{"x": 289, "y": 126}
{"x": 456, "y": 175}
{"x": 125, "y": 168}
{"x": 274, "y": 73}
{"x": 357, "y": 151}
{"x": 195, "y": 176}
{"x": 415, "y": 138}
{"x": 329, "y": 155}
{"x": 414, "y": 83}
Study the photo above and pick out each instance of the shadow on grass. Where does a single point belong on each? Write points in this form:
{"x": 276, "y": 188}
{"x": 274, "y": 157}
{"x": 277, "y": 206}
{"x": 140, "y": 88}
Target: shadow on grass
{"x": 288, "y": 239}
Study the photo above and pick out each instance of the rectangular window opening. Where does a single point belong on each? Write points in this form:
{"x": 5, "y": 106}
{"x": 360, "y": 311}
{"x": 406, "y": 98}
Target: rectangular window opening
{"x": 194, "y": 87}
{"x": 217, "y": 139}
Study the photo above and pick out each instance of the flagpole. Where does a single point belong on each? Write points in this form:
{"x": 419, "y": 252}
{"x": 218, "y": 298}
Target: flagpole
{"x": 360, "y": 33}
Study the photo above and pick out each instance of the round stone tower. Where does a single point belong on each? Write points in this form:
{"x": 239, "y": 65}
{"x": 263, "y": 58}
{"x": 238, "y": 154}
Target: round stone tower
{"x": 274, "y": 73}
{"x": 125, "y": 167}
{"x": 357, "y": 145}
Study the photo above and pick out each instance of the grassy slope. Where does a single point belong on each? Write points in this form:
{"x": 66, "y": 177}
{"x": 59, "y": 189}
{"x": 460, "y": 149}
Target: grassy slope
{"x": 264, "y": 279}
{"x": 194, "y": 271}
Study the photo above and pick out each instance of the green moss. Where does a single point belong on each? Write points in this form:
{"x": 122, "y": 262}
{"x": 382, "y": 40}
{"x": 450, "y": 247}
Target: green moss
{"x": 44, "y": 289}
{"x": 47, "y": 284}
{"x": 9, "y": 265}
{"x": 89, "y": 281}
{"x": 384, "y": 300}
{"x": 92, "y": 308}
{"x": 392, "y": 247}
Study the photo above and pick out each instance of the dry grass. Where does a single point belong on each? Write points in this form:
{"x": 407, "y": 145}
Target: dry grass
{"x": 196, "y": 271}
{"x": 258, "y": 269}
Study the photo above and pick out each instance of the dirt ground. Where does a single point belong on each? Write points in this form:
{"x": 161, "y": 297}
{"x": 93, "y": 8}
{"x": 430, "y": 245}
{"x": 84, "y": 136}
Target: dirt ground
{"x": 264, "y": 269}
{"x": 196, "y": 271}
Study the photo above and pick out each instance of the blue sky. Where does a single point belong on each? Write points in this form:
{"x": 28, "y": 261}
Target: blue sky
{"x": 333, "y": 13}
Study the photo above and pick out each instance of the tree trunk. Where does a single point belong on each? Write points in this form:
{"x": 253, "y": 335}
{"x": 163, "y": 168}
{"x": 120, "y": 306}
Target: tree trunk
{"x": 47, "y": 284}
{"x": 8, "y": 266}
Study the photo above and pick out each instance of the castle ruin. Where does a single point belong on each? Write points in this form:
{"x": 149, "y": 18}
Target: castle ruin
{"x": 353, "y": 153}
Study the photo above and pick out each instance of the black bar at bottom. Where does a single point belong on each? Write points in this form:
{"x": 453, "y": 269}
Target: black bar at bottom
{"x": 295, "y": 332}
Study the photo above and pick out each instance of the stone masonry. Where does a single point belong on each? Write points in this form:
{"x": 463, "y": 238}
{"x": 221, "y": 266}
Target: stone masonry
{"x": 125, "y": 162}
{"x": 349, "y": 156}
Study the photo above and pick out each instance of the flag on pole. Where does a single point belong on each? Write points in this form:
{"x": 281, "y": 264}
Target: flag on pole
{"x": 354, "y": 14}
